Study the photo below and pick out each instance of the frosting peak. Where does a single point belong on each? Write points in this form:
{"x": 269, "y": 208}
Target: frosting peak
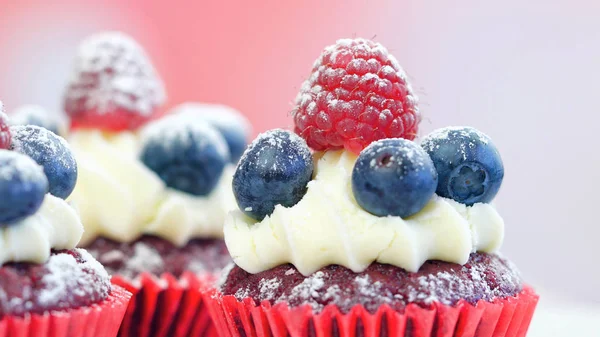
{"x": 55, "y": 225}
{"x": 328, "y": 227}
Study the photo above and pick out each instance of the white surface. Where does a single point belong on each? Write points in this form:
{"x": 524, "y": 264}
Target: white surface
{"x": 555, "y": 319}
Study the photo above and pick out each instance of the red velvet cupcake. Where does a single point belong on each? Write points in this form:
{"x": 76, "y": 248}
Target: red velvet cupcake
{"x": 47, "y": 286}
{"x": 154, "y": 189}
{"x": 374, "y": 235}
{"x": 69, "y": 295}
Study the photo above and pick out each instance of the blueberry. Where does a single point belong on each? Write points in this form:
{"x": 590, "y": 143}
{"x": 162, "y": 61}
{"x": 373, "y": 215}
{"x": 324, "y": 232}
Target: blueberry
{"x": 393, "y": 177}
{"x": 234, "y": 127}
{"x": 469, "y": 166}
{"x": 274, "y": 170}
{"x": 23, "y": 186}
{"x": 35, "y": 115}
{"x": 187, "y": 155}
{"x": 51, "y": 152}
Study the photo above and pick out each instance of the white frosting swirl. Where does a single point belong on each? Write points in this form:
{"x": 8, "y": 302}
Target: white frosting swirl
{"x": 55, "y": 225}
{"x": 328, "y": 227}
{"x": 120, "y": 198}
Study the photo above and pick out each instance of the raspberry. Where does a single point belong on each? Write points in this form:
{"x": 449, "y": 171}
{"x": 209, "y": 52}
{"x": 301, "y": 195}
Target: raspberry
{"x": 357, "y": 93}
{"x": 5, "y": 137}
{"x": 113, "y": 86}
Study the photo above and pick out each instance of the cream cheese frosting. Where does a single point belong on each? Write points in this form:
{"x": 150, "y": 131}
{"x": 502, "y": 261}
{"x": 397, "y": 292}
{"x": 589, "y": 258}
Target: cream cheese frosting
{"x": 55, "y": 225}
{"x": 118, "y": 197}
{"x": 328, "y": 227}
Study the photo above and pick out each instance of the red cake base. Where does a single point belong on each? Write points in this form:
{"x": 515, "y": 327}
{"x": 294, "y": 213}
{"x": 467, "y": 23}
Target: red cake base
{"x": 98, "y": 320}
{"x": 503, "y": 317}
{"x": 483, "y": 277}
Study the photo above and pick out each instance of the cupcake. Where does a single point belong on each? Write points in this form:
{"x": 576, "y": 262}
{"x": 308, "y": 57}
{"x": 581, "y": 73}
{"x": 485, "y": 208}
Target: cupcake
{"x": 154, "y": 188}
{"x": 48, "y": 287}
{"x": 372, "y": 234}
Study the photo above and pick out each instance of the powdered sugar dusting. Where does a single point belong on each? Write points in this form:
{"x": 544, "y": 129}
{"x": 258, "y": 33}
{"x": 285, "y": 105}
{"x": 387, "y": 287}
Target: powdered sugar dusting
{"x": 15, "y": 166}
{"x": 458, "y": 133}
{"x": 112, "y": 71}
{"x": 383, "y": 153}
{"x": 277, "y": 141}
{"x": 484, "y": 277}
{"x": 144, "y": 259}
{"x": 368, "y": 288}
{"x": 68, "y": 278}
{"x": 156, "y": 256}
{"x": 268, "y": 287}
{"x": 308, "y": 289}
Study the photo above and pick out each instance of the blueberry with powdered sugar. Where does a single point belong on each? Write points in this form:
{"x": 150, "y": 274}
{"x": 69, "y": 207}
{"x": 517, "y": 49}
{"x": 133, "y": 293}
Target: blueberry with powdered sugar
{"x": 468, "y": 164}
{"x": 232, "y": 125}
{"x": 274, "y": 170}
{"x": 393, "y": 177}
{"x": 51, "y": 152}
{"x": 31, "y": 114}
{"x": 187, "y": 155}
{"x": 23, "y": 186}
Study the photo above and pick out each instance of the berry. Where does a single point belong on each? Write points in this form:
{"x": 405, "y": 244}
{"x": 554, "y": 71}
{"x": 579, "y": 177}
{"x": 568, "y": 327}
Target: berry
{"x": 357, "y": 93}
{"x": 469, "y": 166}
{"x": 36, "y": 115}
{"x": 187, "y": 155}
{"x": 5, "y": 136}
{"x": 234, "y": 127}
{"x": 51, "y": 152}
{"x": 113, "y": 86}
{"x": 393, "y": 177}
{"x": 23, "y": 186}
{"x": 274, "y": 170}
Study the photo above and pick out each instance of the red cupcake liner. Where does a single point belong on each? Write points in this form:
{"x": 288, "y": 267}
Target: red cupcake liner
{"x": 98, "y": 320}
{"x": 508, "y": 317}
{"x": 166, "y": 306}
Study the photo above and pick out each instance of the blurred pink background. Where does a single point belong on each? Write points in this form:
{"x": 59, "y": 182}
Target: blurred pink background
{"x": 525, "y": 73}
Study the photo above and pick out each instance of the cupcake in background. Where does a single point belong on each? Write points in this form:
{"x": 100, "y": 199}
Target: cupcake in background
{"x": 373, "y": 234}
{"x": 49, "y": 287}
{"x": 154, "y": 190}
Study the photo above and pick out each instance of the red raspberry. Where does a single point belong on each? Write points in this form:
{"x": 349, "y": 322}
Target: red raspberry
{"x": 357, "y": 93}
{"x": 5, "y": 136}
{"x": 114, "y": 86}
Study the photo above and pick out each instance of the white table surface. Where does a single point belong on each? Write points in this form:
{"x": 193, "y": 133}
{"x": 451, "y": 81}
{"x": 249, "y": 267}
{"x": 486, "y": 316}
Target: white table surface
{"x": 555, "y": 318}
